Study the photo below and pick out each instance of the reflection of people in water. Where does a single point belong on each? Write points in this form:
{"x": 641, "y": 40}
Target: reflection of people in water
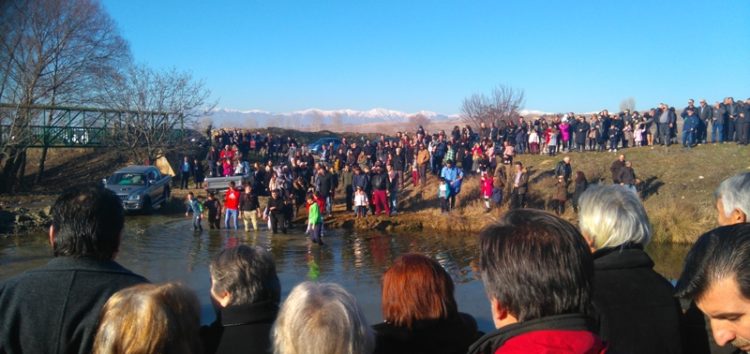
{"x": 313, "y": 269}
{"x": 380, "y": 250}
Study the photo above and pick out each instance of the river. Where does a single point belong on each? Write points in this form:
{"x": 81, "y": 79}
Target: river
{"x": 164, "y": 248}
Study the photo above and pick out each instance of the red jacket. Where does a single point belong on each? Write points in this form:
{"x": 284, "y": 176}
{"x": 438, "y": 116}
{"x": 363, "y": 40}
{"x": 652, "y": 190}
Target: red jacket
{"x": 487, "y": 184}
{"x": 558, "y": 334}
{"x": 554, "y": 341}
{"x": 232, "y": 199}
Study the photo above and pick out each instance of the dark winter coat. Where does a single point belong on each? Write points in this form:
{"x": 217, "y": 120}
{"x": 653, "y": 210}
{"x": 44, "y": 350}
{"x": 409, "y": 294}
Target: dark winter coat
{"x": 446, "y": 336}
{"x": 55, "y": 308}
{"x": 617, "y": 165}
{"x": 249, "y": 202}
{"x": 241, "y": 329}
{"x": 325, "y": 184}
{"x": 579, "y": 189}
{"x": 626, "y": 176}
{"x": 380, "y": 181}
{"x": 360, "y": 180}
{"x": 634, "y": 305}
{"x": 582, "y": 131}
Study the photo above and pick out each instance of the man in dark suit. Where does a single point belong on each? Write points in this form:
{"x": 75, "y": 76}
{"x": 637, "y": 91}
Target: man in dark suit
{"x": 54, "y": 308}
{"x": 705, "y": 113}
{"x": 246, "y": 292}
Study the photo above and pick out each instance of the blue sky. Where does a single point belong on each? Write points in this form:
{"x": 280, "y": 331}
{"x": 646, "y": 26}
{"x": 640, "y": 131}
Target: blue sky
{"x": 429, "y": 55}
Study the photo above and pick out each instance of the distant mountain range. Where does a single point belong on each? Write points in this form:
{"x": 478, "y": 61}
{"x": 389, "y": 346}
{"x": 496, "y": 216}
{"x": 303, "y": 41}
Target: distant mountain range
{"x": 318, "y": 118}
{"x": 224, "y": 117}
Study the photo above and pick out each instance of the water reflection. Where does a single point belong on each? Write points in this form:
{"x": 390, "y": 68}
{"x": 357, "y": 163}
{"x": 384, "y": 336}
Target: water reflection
{"x": 165, "y": 248}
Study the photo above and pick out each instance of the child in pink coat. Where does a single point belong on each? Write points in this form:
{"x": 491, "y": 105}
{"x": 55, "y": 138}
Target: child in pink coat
{"x": 486, "y": 184}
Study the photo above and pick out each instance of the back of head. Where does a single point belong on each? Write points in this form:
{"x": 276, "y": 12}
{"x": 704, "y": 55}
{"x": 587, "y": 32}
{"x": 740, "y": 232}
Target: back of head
{"x": 415, "y": 288}
{"x": 87, "y": 222}
{"x": 734, "y": 193}
{"x": 536, "y": 265}
{"x": 150, "y": 318}
{"x": 321, "y": 318}
{"x": 247, "y": 273}
{"x": 612, "y": 216}
{"x": 719, "y": 254}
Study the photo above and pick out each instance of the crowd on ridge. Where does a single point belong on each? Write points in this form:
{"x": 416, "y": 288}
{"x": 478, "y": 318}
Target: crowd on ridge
{"x": 371, "y": 175}
{"x": 552, "y": 287}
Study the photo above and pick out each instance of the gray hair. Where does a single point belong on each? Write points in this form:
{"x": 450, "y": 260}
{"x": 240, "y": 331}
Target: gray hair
{"x": 321, "y": 318}
{"x": 735, "y": 194}
{"x": 612, "y": 216}
{"x": 247, "y": 273}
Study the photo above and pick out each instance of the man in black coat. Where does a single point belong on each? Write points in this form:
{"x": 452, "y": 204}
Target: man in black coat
{"x": 54, "y": 308}
{"x": 581, "y": 132}
{"x": 277, "y": 211}
{"x": 245, "y": 292}
{"x": 326, "y": 186}
{"x": 615, "y": 168}
{"x": 705, "y": 113}
{"x": 743, "y": 123}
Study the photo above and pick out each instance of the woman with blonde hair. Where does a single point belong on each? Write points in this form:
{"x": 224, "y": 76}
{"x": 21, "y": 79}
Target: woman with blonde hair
{"x": 150, "y": 318}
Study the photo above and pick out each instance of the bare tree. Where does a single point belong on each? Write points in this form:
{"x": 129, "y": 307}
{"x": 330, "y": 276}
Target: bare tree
{"x": 162, "y": 104}
{"x": 205, "y": 125}
{"x": 51, "y": 52}
{"x": 503, "y": 104}
{"x": 628, "y": 103}
{"x": 414, "y": 121}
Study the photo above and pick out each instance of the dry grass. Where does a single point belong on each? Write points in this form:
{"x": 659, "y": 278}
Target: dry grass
{"x": 677, "y": 188}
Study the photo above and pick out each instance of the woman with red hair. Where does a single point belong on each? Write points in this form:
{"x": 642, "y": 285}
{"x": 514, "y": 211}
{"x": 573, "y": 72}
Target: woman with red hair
{"x": 419, "y": 311}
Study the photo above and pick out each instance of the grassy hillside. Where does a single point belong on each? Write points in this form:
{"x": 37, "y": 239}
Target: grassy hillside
{"x": 677, "y": 188}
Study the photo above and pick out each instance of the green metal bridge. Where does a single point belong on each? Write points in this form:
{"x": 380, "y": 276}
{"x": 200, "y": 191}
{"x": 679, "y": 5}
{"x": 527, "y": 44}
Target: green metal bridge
{"x": 66, "y": 127}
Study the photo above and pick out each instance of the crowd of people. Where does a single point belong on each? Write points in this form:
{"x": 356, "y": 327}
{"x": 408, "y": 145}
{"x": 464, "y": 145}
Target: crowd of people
{"x": 552, "y": 288}
{"x": 371, "y": 175}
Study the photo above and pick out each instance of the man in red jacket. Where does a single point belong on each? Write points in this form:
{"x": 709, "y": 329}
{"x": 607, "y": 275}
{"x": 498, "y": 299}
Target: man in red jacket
{"x": 537, "y": 272}
{"x": 231, "y": 205}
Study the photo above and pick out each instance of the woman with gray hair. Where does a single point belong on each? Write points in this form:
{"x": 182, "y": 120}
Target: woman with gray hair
{"x": 634, "y": 305}
{"x": 733, "y": 199}
{"x": 321, "y": 318}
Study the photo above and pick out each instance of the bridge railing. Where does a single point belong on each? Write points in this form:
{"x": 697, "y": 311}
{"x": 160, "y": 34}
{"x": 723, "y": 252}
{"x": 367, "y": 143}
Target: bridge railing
{"x": 56, "y": 126}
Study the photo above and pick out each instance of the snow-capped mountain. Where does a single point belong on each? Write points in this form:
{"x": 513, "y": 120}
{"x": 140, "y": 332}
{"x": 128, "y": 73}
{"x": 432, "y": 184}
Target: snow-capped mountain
{"x": 224, "y": 117}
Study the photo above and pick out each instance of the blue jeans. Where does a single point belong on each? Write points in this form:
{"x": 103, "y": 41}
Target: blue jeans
{"x": 230, "y": 214}
{"x": 717, "y": 133}
{"x": 329, "y": 204}
{"x": 197, "y": 221}
{"x": 688, "y": 138}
